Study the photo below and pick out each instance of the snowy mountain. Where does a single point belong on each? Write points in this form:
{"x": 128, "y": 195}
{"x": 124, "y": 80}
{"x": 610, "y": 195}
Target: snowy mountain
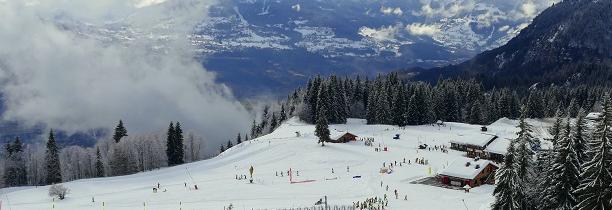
{"x": 273, "y": 155}
{"x": 567, "y": 44}
{"x": 265, "y": 46}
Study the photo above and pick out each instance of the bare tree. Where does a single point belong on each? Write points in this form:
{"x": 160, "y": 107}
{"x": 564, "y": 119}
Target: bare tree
{"x": 58, "y": 191}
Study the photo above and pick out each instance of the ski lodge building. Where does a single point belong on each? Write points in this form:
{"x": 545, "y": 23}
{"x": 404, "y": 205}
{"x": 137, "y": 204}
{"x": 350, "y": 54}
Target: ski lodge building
{"x": 342, "y": 137}
{"x": 468, "y": 171}
{"x": 496, "y": 150}
{"x": 473, "y": 144}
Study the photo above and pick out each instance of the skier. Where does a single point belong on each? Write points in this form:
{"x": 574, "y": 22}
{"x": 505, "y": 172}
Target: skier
{"x": 395, "y": 193}
{"x": 387, "y": 188}
{"x": 405, "y": 197}
{"x": 467, "y": 188}
{"x": 347, "y": 169}
{"x": 332, "y": 170}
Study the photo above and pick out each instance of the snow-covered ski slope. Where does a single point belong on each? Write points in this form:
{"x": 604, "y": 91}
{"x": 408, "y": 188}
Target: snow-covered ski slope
{"x": 278, "y": 152}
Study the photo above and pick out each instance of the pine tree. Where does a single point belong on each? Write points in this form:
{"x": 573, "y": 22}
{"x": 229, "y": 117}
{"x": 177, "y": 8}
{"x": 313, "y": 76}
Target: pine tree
{"x": 535, "y": 107}
{"x": 283, "y": 114}
{"x": 565, "y": 171}
{"x": 229, "y": 144}
{"x": 54, "y": 172}
{"x": 522, "y": 161}
{"x": 15, "y": 173}
{"x": 555, "y": 129}
{"x": 595, "y": 189}
{"x": 400, "y": 107}
{"x": 179, "y": 149}
{"x": 523, "y": 152}
{"x": 273, "y": 123}
{"x": 475, "y": 114}
{"x": 238, "y": 139}
{"x": 507, "y": 184}
{"x": 579, "y": 136}
{"x": 222, "y": 149}
{"x": 120, "y": 132}
{"x": 171, "y": 144}
{"x": 99, "y": 164}
{"x": 321, "y": 128}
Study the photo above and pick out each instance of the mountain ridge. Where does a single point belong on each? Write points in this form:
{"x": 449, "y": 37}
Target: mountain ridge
{"x": 568, "y": 43}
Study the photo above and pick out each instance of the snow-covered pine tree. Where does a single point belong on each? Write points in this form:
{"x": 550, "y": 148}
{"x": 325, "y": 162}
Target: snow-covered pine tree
{"x": 120, "y": 132}
{"x": 54, "y": 172}
{"x": 399, "y": 110}
{"x": 506, "y": 184}
{"x": 283, "y": 114}
{"x": 595, "y": 189}
{"x": 542, "y": 181}
{"x": 475, "y": 114}
{"x": 15, "y": 173}
{"x": 579, "y": 136}
{"x": 99, "y": 164}
{"x": 171, "y": 144}
{"x": 179, "y": 149}
{"x": 535, "y": 106}
{"x": 523, "y": 158}
{"x": 555, "y": 129}
{"x": 322, "y": 128}
{"x": 565, "y": 172}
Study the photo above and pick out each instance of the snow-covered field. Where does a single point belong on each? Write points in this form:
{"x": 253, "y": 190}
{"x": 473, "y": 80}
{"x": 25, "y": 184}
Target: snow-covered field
{"x": 280, "y": 151}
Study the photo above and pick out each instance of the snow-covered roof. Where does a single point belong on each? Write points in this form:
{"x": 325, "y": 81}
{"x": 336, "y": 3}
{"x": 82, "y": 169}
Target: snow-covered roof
{"x": 593, "y": 116}
{"x": 336, "y": 135}
{"x": 460, "y": 168}
{"x": 478, "y": 139}
{"x": 499, "y": 146}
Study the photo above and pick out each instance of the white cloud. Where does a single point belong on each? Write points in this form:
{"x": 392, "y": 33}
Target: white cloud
{"x": 146, "y": 3}
{"x": 419, "y": 29}
{"x": 296, "y": 7}
{"x": 435, "y": 8}
{"x": 504, "y": 28}
{"x": 381, "y": 34}
{"x": 529, "y": 9}
{"x": 391, "y": 11}
{"x": 52, "y": 76}
{"x": 485, "y": 12}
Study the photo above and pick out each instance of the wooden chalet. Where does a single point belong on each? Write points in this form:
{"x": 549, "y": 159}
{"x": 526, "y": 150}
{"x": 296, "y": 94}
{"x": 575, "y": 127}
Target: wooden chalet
{"x": 468, "y": 171}
{"x": 342, "y": 137}
{"x": 473, "y": 144}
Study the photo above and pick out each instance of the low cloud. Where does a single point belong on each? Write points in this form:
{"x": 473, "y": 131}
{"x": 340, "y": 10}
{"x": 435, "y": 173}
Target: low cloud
{"x": 391, "y": 11}
{"x": 296, "y": 7}
{"x": 420, "y": 29}
{"x": 55, "y": 76}
{"x": 379, "y": 34}
{"x": 433, "y": 8}
{"x": 485, "y": 12}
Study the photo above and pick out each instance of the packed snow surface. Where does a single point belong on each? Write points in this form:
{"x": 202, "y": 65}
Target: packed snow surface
{"x": 278, "y": 152}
